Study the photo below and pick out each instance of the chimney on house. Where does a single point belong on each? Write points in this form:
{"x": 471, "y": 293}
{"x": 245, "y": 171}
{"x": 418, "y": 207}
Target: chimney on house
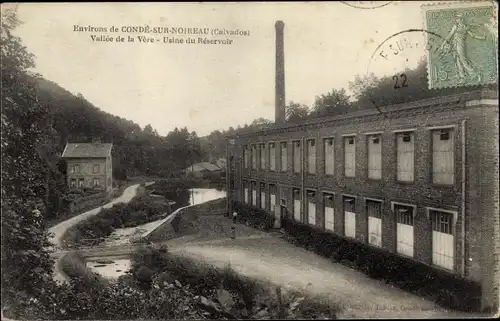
{"x": 279, "y": 113}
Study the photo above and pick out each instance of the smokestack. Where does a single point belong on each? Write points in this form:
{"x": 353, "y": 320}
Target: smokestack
{"x": 279, "y": 116}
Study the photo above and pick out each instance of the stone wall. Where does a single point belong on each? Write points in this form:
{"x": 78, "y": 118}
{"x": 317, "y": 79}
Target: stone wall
{"x": 183, "y": 220}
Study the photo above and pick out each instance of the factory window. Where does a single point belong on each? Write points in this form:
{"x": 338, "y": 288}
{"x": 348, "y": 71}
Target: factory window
{"x": 296, "y": 204}
{"x": 311, "y": 207}
{"x": 328, "y": 203}
{"x": 254, "y": 193}
{"x": 404, "y": 229}
{"x": 311, "y": 156}
{"x": 296, "y": 156}
{"x": 272, "y": 197}
{"x": 443, "y": 165}
{"x": 246, "y": 192}
{"x": 443, "y": 243}
{"x": 329, "y": 156}
{"x": 272, "y": 156}
{"x": 374, "y": 211}
{"x": 254, "y": 157}
{"x": 350, "y": 156}
{"x": 284, "y": 157}
{"x": 262, "y": 156}
{"x": 374, "y": 157}
{"x": 245, "y": 156}
{"x": 349, "y": 217}
{"x": 263, "y": 196}
{"x": 405, "y": 156}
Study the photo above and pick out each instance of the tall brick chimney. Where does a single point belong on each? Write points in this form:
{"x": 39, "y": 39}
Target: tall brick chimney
{"x": 279, "y": 112}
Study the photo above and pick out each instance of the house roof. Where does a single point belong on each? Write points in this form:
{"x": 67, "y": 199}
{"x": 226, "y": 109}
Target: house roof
{"x": 205, "y": 166}
{"x": 87, "y": 150}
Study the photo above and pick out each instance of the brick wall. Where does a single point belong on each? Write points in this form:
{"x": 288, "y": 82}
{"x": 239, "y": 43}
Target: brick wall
{"x": 86, "y": 171}
{"x": 480, "y": 260}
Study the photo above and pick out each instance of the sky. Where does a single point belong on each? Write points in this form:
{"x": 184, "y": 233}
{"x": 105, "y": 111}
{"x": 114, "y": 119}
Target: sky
{"x": 206, "y": 87}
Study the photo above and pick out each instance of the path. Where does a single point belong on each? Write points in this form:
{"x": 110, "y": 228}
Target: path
{"x": 273, "y": 259}
{"x": 59, "y": 229}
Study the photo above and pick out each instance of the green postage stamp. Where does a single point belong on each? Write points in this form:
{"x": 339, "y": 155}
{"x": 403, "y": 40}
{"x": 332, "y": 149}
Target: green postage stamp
{"x": 462, "y": 42}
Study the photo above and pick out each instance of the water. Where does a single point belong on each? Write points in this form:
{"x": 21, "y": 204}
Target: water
{"x": 201, "y": 195}
{"x": 124, "y": 236}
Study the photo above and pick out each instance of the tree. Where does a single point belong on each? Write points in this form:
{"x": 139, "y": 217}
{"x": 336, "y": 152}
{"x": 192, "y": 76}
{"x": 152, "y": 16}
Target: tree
{"x": 407, "y": 86}
{"x": 333, "y": 103}
{"x": 26, "y": 265}
{"x": 296, "y": 112}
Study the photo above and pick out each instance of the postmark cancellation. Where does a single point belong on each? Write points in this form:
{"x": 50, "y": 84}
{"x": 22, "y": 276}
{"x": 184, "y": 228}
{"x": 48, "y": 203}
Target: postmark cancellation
{"x": 462, "y": 44}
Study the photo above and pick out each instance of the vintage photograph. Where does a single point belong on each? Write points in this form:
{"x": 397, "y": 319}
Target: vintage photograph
{"x": 250, "y": 160}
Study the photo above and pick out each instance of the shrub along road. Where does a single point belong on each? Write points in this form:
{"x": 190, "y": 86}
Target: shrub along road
{"x": 59, "y": 229}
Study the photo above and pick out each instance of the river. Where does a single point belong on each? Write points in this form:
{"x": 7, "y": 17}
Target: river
{"x": 113, "y": 268}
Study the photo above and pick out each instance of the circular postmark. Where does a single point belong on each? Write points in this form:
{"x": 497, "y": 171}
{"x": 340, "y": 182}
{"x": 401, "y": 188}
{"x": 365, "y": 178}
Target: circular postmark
{"x": 366, "y": 4}
{"x": 398, "y": 66}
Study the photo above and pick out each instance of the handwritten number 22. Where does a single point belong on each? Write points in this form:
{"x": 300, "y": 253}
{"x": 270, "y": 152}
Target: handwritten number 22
{"x": 404, "y": 79}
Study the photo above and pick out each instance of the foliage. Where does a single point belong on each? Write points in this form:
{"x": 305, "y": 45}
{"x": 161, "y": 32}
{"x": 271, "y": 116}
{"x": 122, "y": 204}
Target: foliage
{"x": 333, "y": 103}
{"x": 26, "y": 265}
{"x": 253, "y": 216}
{"x": 370, "y": 91}
{"x": 444, "y": 288}
{"x": 140, "y": 210}
{"x": 296, "y": 112}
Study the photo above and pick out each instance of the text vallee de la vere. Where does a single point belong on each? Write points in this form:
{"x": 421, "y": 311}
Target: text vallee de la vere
{"x": 170, "y": 34}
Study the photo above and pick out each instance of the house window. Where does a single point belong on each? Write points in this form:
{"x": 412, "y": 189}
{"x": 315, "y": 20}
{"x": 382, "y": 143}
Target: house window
{"x": 245, "y": 156}
{"x": 254, "y": 157}
{"x": 73, "y": 183}
{"x": 262, "y": 195}
{"x": 81, "y": 182}
{"x": 443, "y": 165}
{"x": 329, "y": 156}
{"x": 374, "y": 211}
{"x": 262, "y": 156}
{"x": 404, "y": 229}
{"x": 96, "y": 182}
{"x": 272, "y": 198}
{"x": 296, "y": 156}
{"x": 254, "y": 194}
{"x": 311, "y": 207}
{"x": 374, "y": 157}
{"x": 76, "y": 169}
{"x": 296, "y": 204}
{"x": 95, "y": 168}
{"x": 349, "y": 156}
{"x": 443, "y": 243}
{"x": 272, "y": 156}
{"x": 246, "y": 193}
{"x": 329, "y": 211}
{"x": 349, "y": 217}
{"x": 405, "y": 156}
{"x": 284, "y": 157}
{"x": 311, "y": 156}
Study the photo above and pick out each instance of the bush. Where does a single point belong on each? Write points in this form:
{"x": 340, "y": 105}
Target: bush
{"x": 140, "y": 210}
{"x": 255, "y": 217}
{"x": 442, "y": 287}
{"x": 74, "y": 266}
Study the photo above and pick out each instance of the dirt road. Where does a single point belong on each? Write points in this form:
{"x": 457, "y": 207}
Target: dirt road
{"x": 275, "y": 260}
